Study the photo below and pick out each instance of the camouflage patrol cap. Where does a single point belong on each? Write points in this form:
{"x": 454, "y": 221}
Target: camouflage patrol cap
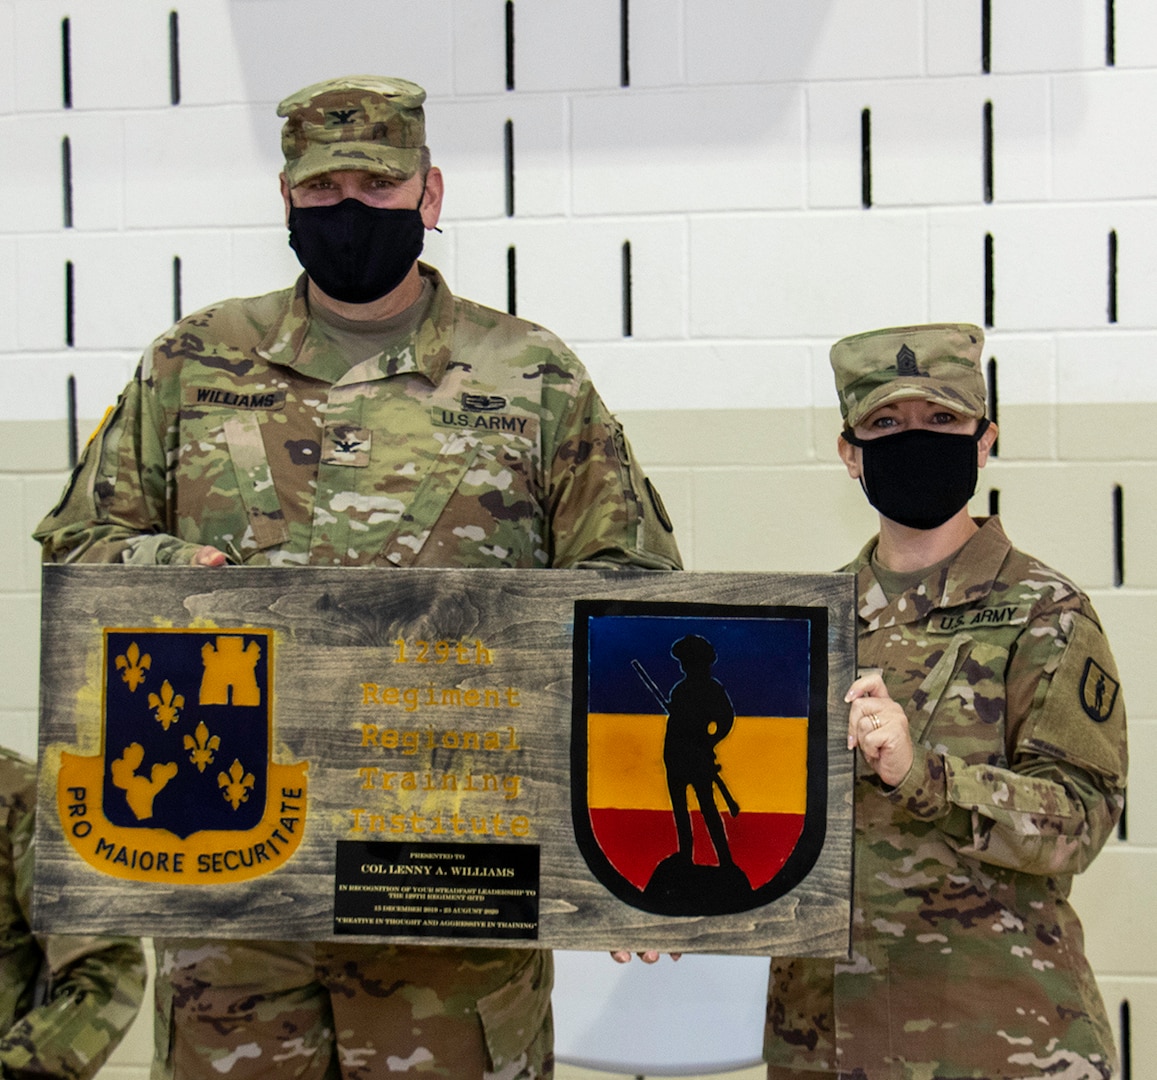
{"x": 356, "y": 122}
{"x": 937, "y": 361}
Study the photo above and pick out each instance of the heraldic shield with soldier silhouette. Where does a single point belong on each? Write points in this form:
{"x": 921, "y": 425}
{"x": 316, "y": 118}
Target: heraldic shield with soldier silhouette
{"x": 185, "y": 773}
{"x": 698, "y": 751}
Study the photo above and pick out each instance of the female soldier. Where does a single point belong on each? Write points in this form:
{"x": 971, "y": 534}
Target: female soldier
{"x": 991, "y": 732}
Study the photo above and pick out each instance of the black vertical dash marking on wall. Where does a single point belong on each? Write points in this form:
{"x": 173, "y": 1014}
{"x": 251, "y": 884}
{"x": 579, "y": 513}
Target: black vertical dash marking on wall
{"x": 66, "y": 61}
{"x": 624, "y": 43}
{"x": 989, "y": 280}
{"x": 1110, "y": 33}
{"x": 1126, "y": 1047}
{"x": 1118, "y": 535}
{"x": 986, "y": 36}
{"x": 174, "y": 59}
{"x": 73, "y": 433}
{"x": 1113, "y": 275}
{"x": 993, "y": 401}
{"x": 176, "y": 288}
{"x": 511, "y": 281}
{"x": 628, "y": 295}
{"x": 509, "y": 44}
{"x": 508, "y": 151}
{"x": 993, "y": 502}
{"x": 866, "y": 157}
{"x": 988, "y": 152}
{"x": 69, "y": 305}
{"x": 66, "y": 178}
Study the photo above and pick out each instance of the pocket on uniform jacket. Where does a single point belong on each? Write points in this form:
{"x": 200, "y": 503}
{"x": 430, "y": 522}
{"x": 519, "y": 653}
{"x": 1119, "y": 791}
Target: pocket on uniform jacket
{"x": 961, "y": 702}
{"x": 480, "y": 490}
{"x": 224, "y": 482}
{"x": 514, "y": 1014}
{"x": 256, "y": 489}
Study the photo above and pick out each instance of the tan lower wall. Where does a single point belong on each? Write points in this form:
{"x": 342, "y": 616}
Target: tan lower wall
{"x": 763, "y": 490}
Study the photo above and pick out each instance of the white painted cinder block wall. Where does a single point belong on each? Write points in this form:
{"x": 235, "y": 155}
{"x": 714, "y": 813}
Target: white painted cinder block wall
{"x": 733, "y": 164}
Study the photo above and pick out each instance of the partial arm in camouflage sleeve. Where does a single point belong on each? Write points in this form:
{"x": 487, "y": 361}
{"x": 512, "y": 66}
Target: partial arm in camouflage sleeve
{"x": 95, "y": 986}
{"x": 114, "y": 508}
{"x": 1052, "y": 809}
{"x": 601, "y": 507}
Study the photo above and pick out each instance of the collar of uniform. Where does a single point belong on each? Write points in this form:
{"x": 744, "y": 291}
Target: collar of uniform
{"x": 966, "y": 579}
{"x": 286, "y": 334}
{"x": 286, "y": 341}
{"x": 434, "y": 341}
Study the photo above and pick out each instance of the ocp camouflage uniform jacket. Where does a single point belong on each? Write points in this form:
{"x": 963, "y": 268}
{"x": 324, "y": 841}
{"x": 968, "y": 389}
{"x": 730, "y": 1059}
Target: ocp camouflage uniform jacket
{"x": 967, "y": 960}
{"x": 478, "y": 442}
{"x": 65, "y": 1002}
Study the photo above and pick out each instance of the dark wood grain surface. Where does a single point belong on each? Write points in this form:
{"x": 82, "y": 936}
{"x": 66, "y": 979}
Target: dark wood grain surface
{"x": 335, "y": 630}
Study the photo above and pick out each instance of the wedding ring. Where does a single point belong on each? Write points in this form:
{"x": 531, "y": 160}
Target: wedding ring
{"x": 875, "y": 721}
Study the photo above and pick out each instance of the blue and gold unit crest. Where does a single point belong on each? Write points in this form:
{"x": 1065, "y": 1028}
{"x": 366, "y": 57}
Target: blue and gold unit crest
{"x": 699, "y": 751}
{"x": 185, "y": 790}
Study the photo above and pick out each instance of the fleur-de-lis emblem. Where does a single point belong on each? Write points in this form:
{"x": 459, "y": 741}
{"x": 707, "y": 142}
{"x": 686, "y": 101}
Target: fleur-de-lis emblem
{"x": 237, "y": 784}
{"x": 203, "y": 746}
{"x": 133, "y": 664}
{"x": 168, "y": 706}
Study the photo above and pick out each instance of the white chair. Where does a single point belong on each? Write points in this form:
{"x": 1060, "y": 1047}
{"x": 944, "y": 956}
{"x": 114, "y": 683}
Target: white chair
{"x": 700, "y": 1014}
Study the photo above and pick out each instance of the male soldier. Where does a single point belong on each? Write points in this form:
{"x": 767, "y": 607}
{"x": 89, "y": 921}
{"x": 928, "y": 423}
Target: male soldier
{"x": 364, "y": 417}
{"x": 65, "y": 1001}
{"x": 993, "y": 760}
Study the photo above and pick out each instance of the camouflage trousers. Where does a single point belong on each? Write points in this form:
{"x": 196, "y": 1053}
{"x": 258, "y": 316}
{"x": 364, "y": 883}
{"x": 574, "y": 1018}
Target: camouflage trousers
{"x": 330, "y": 1011}
{"x": 776, "y": 1073}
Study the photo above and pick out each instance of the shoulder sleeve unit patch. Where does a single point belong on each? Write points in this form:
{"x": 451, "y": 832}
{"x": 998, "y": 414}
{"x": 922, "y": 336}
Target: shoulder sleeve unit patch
{"x": 1082, "y": 716}
{"x": 1098, "y": 691}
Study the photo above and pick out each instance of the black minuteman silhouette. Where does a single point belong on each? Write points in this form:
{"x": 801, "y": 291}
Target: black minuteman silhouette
{"x": 699, "y": 716}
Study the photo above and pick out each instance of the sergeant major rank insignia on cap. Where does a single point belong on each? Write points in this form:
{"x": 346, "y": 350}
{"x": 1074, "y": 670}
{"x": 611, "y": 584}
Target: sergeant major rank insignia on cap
{"x": 906, "y": 363}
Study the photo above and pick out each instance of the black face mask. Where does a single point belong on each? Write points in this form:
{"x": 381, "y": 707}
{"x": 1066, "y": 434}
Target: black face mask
{"x": 354, "y": 252}
{"x": 919, "y": 478}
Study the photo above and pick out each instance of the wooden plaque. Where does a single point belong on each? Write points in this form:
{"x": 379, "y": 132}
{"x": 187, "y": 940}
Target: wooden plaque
{"x": 577, "y": 759}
